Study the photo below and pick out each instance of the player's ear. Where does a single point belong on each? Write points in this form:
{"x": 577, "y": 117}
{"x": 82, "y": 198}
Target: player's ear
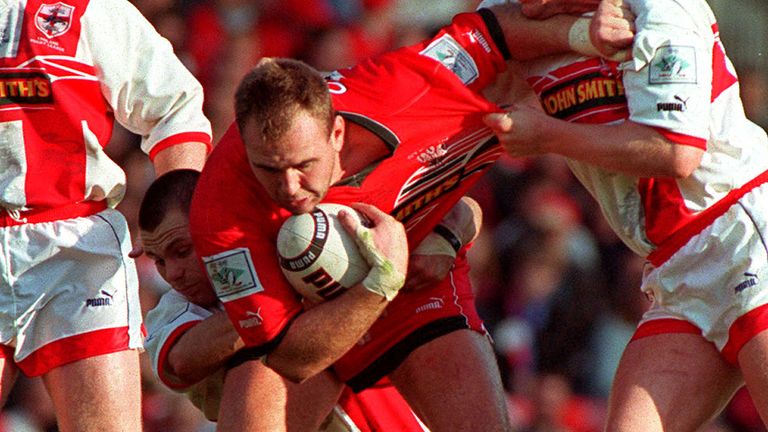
{"x": 337, "y": 132}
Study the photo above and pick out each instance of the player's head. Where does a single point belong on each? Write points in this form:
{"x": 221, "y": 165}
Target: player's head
{"x": 164, "y": 230}
{"x": 291, "y": 133}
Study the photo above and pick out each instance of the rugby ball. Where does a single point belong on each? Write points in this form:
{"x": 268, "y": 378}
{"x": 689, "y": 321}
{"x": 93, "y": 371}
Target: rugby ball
{"x": 317, "y": 255}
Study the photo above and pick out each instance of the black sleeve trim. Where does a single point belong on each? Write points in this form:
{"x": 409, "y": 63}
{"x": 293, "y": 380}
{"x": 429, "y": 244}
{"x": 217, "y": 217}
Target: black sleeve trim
{"x": 255, "y": 353}
{"x": 494, "y": 29}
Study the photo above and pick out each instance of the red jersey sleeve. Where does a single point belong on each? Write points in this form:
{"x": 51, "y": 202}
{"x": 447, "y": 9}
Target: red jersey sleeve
{"x": 463, "y": 57}
{"x": 472, "y": 47}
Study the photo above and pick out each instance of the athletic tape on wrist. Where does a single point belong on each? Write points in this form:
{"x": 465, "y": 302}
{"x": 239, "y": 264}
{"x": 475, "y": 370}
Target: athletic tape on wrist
{"x": 383, "y": 279}
{"x": 578, "y": 38}
{"x": 579, "y": 41}
{"x": 435, "y": 244}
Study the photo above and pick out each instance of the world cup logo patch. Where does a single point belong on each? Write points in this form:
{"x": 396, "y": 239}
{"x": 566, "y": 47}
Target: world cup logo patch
{"x": 54, "y": 19}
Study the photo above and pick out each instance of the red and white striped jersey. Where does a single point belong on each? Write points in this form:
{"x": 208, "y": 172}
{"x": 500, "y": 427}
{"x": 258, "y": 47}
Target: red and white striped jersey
{"x": 68, "y": 69}
{"x": 681, "y": 83}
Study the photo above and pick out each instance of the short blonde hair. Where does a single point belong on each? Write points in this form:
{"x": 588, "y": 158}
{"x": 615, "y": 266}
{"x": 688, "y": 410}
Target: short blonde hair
{"x": 277, "y": 89}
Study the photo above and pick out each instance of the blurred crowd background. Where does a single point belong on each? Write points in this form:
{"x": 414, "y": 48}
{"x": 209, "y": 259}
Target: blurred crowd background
{"x": 557, "y": 289}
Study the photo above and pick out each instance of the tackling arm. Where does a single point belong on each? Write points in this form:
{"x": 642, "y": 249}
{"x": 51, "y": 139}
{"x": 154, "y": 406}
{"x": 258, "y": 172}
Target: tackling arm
{"x": 627, "y": 147}
{"x": 465, "y": 219}
{"x": 203, "y": 349}
{"x": 528, "y": 39}
{"x": 433, "y": 258}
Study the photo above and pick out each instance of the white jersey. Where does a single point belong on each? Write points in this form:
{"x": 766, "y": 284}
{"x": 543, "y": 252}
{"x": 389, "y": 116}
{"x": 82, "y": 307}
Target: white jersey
{"x": 166, "y": 322}
{"x": 174, "y": 315}
{"x": 681, "y": 83}
{"x": 68, "y": 69}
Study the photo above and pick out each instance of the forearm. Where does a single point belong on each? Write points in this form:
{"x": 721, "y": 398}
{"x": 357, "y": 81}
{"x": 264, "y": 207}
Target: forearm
{"x": 321, "y": 335}
{"x": 528, "y": 39}
{"x": 203, "y": 349}
{"x": 628, "y": 148}
{"x": 465, "y": 219}
{"x": 190, "y": 155}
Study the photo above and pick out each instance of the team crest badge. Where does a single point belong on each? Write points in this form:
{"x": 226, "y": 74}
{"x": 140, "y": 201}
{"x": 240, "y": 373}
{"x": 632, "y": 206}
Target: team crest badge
{"x": 673, "y": 64}
{"x": 54, "y": 19}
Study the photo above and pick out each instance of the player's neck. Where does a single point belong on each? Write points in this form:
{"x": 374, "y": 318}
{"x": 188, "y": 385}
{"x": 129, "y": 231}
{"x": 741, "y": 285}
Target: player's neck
{"x": 361, "y": 149}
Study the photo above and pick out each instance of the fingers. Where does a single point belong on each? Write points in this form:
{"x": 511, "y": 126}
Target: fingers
{"x": 348, "y": 221}
{"x": 385, "y": 232}
{"x": 535, "y": 9}
{"x": 621, "y": 55}
{"x": 370, "y": 215}
{"x": 384, "y": 246}
{"x": 613, "y": 28}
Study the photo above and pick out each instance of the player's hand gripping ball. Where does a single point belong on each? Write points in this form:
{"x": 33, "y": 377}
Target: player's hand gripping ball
{"x": 317, "y": 255}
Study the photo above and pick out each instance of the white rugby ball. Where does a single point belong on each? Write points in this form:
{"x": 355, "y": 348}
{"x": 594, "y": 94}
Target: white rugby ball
{"x": 317, "y": 255}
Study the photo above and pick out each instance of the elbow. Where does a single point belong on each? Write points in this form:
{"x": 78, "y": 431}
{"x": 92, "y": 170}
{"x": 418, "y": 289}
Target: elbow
{"x": 679, "y": 162}
{"x": 681, "y": 171}
{"x": 684, "y": 165}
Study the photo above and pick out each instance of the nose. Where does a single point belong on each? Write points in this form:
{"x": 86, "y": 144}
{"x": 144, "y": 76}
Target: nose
{"x": 174, "y": 271}
{"x": 290, "y": 182}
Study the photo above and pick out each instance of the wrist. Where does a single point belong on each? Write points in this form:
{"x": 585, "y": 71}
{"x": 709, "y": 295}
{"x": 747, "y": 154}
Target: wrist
{"x": 450, "y": 237}
{"x": 579, "y": 40}
{"x": 383, "y": 278}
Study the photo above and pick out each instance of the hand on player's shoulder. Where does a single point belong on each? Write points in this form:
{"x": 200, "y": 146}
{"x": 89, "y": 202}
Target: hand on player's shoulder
{"x": 612, "y": 30}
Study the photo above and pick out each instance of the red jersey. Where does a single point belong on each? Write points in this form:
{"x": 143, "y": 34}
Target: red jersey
{"x": 423, "y": 102}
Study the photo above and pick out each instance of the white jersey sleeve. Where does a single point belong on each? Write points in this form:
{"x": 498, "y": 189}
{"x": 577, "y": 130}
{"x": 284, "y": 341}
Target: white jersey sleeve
{"x": 669, "y": 80}
{"x": 151, "y": 92}
{"x": 172, "y": 316}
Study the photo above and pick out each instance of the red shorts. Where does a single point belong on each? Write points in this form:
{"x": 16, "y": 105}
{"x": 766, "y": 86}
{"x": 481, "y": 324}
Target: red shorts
{"x": 379, "y": 408}
{"x": 412, "y": 319}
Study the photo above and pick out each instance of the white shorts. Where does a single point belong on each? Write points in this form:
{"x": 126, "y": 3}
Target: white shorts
{"x": 718, "y": 281}
{"x": 68, "y": 291}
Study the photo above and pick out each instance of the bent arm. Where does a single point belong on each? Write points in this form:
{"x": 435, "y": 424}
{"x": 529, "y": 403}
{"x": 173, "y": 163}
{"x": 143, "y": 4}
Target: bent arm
{"x": 435, "y": 256}
{"x": 628, "y": 147}
{"x": 203, "y": 349}
{"x": 321, "y": 335}
{"x": 527, "y": 39}
{"x": 465, "y": 219}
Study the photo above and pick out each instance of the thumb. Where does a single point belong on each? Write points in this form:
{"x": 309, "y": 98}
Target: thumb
{"x": 349, "y": 222}
{"x": 499, "y": 122}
